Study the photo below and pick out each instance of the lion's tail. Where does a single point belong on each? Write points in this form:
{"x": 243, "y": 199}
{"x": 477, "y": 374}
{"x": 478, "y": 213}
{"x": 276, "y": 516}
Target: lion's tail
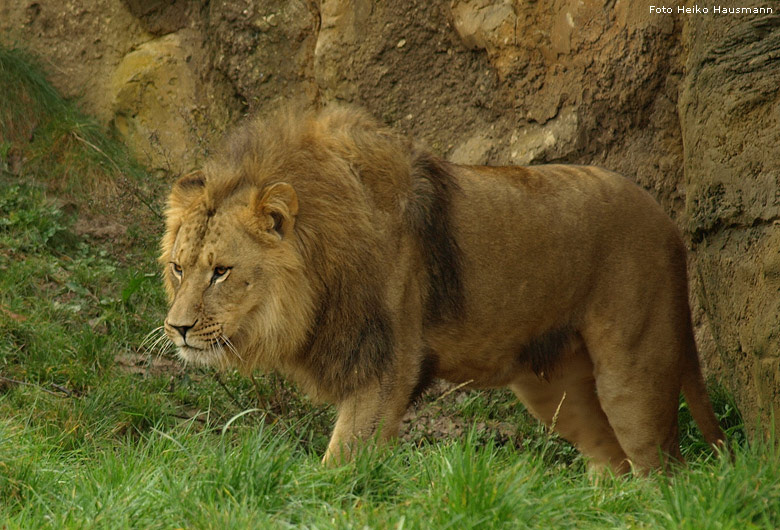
{"x": 695, "y": 392}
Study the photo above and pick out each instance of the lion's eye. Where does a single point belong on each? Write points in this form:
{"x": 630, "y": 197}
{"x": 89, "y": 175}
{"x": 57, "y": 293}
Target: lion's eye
{"x": 219, "y": 273}
{"x": 176, "y": 269}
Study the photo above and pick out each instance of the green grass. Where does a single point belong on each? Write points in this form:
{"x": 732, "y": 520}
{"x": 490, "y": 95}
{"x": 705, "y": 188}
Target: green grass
{"x": 260, "y": 476}
{"x": 96, "y": 433}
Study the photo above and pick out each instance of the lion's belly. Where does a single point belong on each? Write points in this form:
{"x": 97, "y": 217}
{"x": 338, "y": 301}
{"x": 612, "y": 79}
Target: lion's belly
{"x": 480, "y": 370}
{"x": 489, "y": 357}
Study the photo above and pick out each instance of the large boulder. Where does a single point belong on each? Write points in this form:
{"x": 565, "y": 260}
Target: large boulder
{"x": 153, "y": 92}
{"x": 730, "y": 117}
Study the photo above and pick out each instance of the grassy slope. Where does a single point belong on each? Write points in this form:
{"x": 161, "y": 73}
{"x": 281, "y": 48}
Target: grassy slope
{"x": 85, "y": 441}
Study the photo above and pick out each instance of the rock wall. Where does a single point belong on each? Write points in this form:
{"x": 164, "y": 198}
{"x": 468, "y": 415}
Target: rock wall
{"x": 685, "y": 104}
{"x": 730, "y": 116}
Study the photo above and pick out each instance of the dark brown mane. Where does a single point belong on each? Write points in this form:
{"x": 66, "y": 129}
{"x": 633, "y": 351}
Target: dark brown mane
{"x": 430, "y": 219}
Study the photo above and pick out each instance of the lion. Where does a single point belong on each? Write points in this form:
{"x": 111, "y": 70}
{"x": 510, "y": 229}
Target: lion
{"x": 326, "y": 247}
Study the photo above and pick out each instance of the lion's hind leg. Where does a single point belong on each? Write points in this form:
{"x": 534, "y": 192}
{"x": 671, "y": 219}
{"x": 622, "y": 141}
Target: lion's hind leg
{"x": 638, "y": 386}
{"x": 566, "y": 401}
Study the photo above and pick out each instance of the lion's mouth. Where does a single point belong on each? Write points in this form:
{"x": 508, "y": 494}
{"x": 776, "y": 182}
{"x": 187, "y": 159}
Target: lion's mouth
{"x": 198, "y": 356}
{"x": 190, "y": 354}
{"x": 217, "y": 354}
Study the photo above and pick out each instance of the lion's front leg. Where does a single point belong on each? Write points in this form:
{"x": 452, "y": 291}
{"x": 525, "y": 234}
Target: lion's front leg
{"x": 360, "y": 417}
{"x": 371, "y": 412}
{"x": 375, "y": 410}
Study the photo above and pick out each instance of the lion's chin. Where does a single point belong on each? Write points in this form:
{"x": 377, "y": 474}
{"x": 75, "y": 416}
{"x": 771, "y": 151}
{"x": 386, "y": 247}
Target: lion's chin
{"x": 202, "y": 357}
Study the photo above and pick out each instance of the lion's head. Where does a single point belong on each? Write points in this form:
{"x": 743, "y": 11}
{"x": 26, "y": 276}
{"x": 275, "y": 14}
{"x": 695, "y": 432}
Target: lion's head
{"x": 229, "y": 264}
{"x": 264, "y": 254}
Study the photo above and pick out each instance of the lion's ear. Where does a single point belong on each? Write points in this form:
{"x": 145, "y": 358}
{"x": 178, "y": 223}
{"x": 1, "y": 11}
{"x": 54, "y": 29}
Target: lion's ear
{"x": 187, "y": 189}
{"x": 275, "y": 208}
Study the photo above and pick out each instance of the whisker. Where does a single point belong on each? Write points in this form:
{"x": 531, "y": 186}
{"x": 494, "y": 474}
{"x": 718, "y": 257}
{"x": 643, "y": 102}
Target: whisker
{"x": 151, "y": 347}
{"x": 162, "y": 345}
{"x": 227, "y": 343}
{"x": 222, "y": 354}
{"x": 152, "y": 333}
{"x": 151, "y": 336}
{"x": 232, "y": 348}
{"x": 218, "y": 352}
{"x": 159, "y": 345}
{"x": 168, "y": 345}
{"x": 153, "y": 343}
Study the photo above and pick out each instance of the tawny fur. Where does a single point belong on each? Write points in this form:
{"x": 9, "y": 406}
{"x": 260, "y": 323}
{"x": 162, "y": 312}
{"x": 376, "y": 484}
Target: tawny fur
{"x": 325, "y": 247}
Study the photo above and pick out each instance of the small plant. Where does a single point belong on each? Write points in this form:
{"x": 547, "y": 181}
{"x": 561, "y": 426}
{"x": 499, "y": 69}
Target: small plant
{"x": 33, "y": 223}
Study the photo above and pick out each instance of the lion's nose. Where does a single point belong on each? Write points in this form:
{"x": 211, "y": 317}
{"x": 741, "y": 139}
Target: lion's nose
{"x": 183, "y": 329}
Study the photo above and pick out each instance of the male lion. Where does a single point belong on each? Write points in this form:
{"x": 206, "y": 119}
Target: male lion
{"x": 327, "y": 248}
